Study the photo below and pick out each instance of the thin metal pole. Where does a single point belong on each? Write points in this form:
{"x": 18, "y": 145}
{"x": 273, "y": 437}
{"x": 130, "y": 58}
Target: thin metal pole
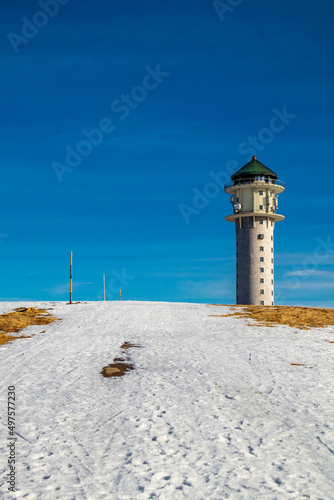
{"x": 71, "y": 279}
{"x": 120, "y": 295}
{"x": 104, "y": 287}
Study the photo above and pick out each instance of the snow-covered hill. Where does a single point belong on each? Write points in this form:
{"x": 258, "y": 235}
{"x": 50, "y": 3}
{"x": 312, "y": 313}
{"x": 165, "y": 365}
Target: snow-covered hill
{"x": 213, "y": 409}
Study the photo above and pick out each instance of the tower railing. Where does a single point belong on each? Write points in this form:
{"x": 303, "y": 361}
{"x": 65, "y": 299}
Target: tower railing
{"x": 252, "y": 180}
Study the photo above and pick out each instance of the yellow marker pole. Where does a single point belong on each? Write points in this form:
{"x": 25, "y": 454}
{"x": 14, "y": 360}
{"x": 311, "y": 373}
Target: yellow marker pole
{"x": 120, "y": 295}
{"x": 104, "y": 287}
{"x": 71, "y": 279}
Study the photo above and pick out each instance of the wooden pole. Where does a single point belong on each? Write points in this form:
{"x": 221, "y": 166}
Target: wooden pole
{"x": 71, "y": 279}
{"x": 104, "y": 287}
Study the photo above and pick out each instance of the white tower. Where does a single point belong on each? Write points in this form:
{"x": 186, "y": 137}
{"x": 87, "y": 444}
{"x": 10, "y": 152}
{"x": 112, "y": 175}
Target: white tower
{"x": 254, "y": 194}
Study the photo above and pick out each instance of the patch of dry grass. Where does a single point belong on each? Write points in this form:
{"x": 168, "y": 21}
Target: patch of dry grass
{"x": 22, "y": 317}
{"x": 128, "y": 345}
{"x": 297, "y": 317}
{"x": 120, "y": 365}
{"x": 116, "y": 369}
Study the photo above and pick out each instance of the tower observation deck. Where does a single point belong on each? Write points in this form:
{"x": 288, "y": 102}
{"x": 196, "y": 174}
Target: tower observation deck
{"x": 254, "y": 191}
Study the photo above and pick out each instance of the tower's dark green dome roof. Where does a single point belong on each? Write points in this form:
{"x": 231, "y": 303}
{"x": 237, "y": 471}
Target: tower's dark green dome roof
{"x": 254, "y": 167}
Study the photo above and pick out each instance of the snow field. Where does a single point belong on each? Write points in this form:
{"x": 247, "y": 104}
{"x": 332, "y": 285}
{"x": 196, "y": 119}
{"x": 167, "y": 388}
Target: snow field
{"x": 213, "y": 409}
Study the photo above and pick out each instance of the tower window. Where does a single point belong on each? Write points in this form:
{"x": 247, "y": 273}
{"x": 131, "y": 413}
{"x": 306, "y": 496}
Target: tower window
{"x": 261, "y": 270}
{"x": 272, "y": 303}
{"x": 261, "y": 302}
{"x": 272, "y": 282}
{"x": 262, "y": 291}
{"x": 272, "y": 293}
{"x": 272, "y": 238}
{"x": 272, "y": 271}
{"x": 272, "y": 261}
{"x": 261, "y": 193}
{"x": 261, "y": 259}
{"x": 260, "y": 236}
{"x": 261, "y": 221}
{"x": 261, "y": 280}
{"x": 261, "y": 249}
{"x": 271, "y": 222}
{"x": 272, "y": 250}
{"x": 261, "y": 208}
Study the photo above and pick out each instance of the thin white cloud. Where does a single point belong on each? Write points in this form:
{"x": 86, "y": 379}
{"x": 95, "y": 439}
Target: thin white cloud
{"x": 310, "y": 272}
{"x": 210, "y": 289}
{"x": 299, "y": 258}
{"x": 65, "y": 288}
{"x": 307, "y": 281}
{"x": 214, "y": 259}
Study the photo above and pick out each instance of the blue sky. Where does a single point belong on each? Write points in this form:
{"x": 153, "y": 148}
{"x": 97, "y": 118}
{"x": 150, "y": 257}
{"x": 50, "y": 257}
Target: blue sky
{"x": 179, "y": 91}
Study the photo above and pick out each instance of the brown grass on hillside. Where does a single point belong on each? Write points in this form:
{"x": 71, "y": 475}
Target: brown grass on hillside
{"x": 297, "y": 317}
{"x": 22, "y": 317}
